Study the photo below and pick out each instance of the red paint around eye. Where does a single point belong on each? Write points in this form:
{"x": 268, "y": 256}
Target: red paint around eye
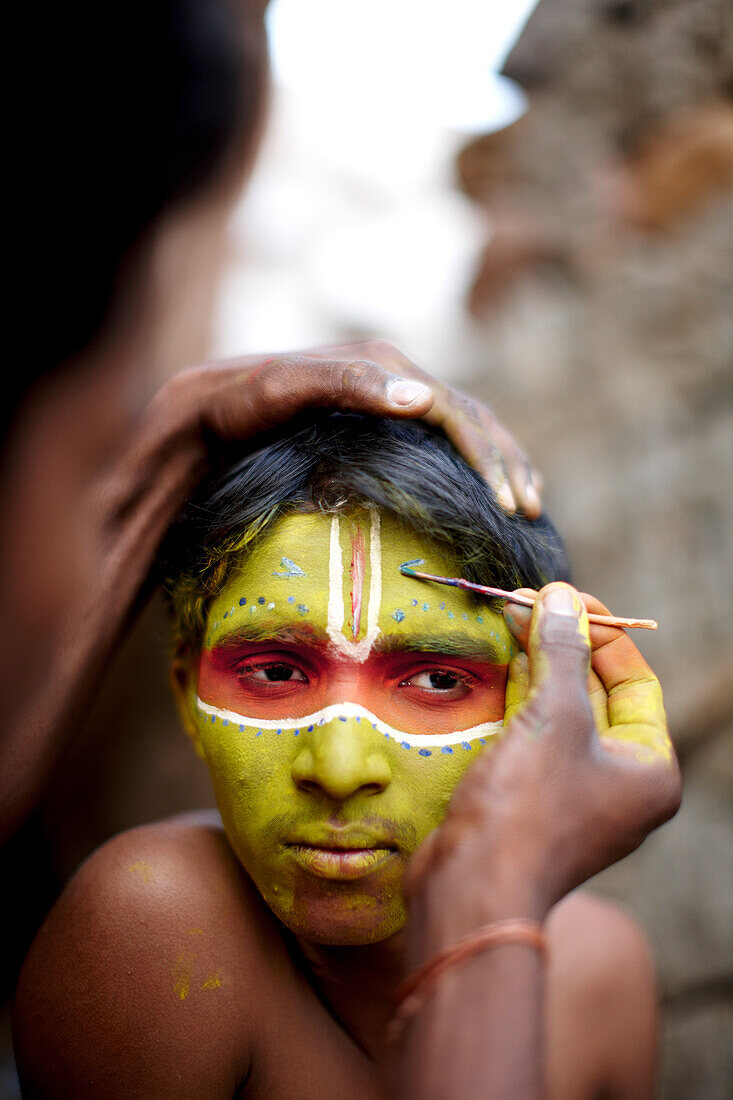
{"x": 377, "y": 684}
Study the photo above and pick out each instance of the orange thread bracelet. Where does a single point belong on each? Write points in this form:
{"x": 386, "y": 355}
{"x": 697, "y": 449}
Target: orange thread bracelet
{"x": 414, "y": 991}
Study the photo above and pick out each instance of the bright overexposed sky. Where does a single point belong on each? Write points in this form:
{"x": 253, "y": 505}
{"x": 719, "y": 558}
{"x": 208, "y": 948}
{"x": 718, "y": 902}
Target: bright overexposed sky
{"x": 379, "y": 56}
{"x": 352, "y": 223}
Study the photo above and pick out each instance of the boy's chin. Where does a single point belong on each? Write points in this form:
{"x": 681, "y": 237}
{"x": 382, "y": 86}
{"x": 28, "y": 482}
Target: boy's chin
{"x": 347, "y": 928}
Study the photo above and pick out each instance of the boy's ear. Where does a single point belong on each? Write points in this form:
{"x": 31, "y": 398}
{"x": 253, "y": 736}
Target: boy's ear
{"x": 184, "y": 681}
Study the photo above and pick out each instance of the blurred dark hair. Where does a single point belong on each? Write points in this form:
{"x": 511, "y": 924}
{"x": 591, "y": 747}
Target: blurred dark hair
{"x": 331, "y": 462}
{"x": 136, "y": 107}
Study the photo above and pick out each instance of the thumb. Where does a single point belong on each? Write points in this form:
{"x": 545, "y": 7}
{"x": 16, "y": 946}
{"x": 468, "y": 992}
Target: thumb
{"x": 350, "y": 385}
{"x": 559, "y": 641}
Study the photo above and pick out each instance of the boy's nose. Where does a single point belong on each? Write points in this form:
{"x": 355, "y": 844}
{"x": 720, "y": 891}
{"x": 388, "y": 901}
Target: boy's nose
{"x": 341, "y": 759}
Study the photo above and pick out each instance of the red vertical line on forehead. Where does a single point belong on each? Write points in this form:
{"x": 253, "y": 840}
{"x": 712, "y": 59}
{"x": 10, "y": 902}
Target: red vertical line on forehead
{"x": 358, "y": 569}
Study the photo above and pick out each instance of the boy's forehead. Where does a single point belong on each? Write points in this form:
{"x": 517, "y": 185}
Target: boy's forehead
{"x": 338, "y": 577}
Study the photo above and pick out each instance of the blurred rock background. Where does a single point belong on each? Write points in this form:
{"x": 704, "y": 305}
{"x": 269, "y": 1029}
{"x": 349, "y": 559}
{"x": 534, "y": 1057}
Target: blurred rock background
{"x": 606, "y": 300}
{"x": 574, "y": 268}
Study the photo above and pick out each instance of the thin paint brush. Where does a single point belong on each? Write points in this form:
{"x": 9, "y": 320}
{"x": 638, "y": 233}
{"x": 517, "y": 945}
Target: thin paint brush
{"x": 525, "y": 601}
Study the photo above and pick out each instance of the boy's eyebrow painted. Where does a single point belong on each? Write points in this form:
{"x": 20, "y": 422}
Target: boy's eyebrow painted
{"x": 453, "y": 644}
{"x": 255, "y": 633}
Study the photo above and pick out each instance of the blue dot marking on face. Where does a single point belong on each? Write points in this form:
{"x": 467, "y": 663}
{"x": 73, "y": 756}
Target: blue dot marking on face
{"x": 242, "y": 601}
{"x": 405, "y": 744}
{"x": 441, "y": 605}
{"x": 398, "y": 615}
{"x": 302, "y": 609}
{"x": 261, "y": 599}
{"x": 479, "y": 619}
{"x": 225, "y": 721}
{"x": 414, "y": 603}
{"x": 259, "y": 733}
{"x": 310, "y": 729}
{"x": 451, "y": 615}
{"x": 278, "y": 732}
{"x": 465, "y": 745}
{"x": 225, "y": 614}
{"x": 291, "y": 599}
{"x": 447, "y": 748}
{"x": 296, "y": 733}
{"x": 341, "y": 718}
{"x": 464, "y": 616}
{"x": 213, "y": 719}
{"x": 482, "y": 740}
{"x": 241, "y": 729}
{"x": 425, "y": 752}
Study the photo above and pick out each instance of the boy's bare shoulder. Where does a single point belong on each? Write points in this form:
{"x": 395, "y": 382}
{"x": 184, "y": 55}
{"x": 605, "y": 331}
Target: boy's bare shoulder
{"x": 601, "y": 1001}
{"x": 157, "y": 941}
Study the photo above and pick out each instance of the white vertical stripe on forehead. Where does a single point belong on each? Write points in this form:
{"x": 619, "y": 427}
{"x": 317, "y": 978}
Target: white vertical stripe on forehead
{"x": 375, "y": 583}
{"x": 355, "y": 651}
{"x": 338, "y": 712}
{"x": 335, "y": 617}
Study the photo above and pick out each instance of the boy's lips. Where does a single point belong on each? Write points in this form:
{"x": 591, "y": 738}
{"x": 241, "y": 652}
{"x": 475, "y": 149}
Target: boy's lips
{"x": 340, "y": 863}
{"x": 349, "y": 852}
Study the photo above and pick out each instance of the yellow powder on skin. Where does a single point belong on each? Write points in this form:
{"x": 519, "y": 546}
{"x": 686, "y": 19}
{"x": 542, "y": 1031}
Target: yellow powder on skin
{"x": 143, "y": 869}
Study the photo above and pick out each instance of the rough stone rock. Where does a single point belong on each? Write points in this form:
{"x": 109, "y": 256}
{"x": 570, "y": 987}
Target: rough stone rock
{"x": 608, "y": 344}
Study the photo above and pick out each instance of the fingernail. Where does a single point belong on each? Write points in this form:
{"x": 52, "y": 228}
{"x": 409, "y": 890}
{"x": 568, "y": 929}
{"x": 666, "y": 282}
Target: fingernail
{"x": 522, "y": 663}
{"x": 517, "y": 613}
{"x": 405, "y": 392}
{"x": 505, "y": 496}
{"x": 531, "y": 496}
{"x": 561, "y": 601}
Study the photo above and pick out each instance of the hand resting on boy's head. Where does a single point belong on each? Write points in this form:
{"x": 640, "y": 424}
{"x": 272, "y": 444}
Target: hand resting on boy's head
{"x": 131, "y": 507}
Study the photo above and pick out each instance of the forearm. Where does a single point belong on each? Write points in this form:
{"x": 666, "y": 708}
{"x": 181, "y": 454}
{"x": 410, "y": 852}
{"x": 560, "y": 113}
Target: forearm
{"x": 135, "y": 509}
{"x": 478, "y": 1034}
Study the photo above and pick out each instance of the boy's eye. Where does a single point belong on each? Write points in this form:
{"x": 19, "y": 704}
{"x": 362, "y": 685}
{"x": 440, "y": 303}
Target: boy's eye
{"x": 438, "y": 679}
{"x": 275, "y": 673}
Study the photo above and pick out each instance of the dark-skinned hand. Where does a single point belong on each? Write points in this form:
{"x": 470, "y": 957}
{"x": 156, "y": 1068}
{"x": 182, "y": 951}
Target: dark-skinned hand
{"x": 240, "y": 398}
{"x": 582, "y": 774}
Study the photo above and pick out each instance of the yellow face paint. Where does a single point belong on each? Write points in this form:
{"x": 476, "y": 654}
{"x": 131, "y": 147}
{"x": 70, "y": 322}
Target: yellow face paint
{"x": 338, "y": 704}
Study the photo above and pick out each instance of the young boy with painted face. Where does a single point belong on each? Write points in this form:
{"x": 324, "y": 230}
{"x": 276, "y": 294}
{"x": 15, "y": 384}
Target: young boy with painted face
{"x": 339, "y": 704}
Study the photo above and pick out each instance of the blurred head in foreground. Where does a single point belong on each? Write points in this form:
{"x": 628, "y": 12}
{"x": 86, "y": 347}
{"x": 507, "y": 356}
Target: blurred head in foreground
{"x": 149, "y": 121}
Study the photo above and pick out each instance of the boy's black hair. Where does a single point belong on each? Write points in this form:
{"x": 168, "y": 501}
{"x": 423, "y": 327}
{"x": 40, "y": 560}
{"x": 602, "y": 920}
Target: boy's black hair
{"x": 334, "y": 461}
